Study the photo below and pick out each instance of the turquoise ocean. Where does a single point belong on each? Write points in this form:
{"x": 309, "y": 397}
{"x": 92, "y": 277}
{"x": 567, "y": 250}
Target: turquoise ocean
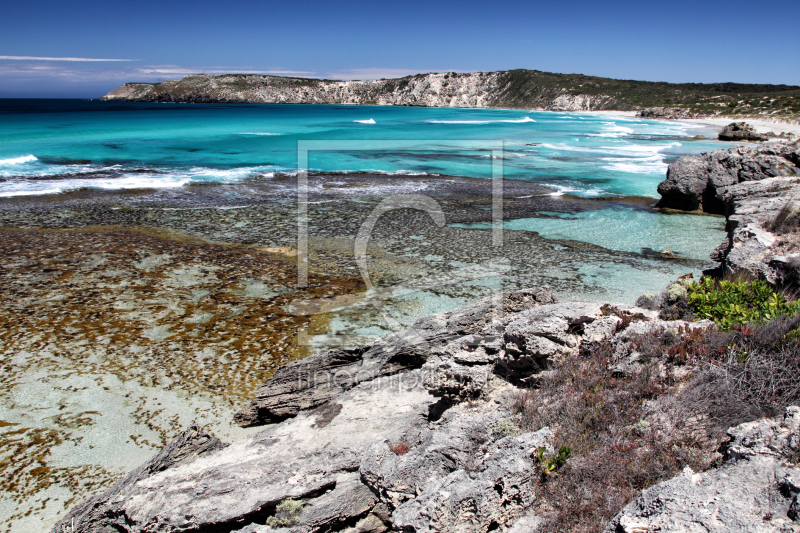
{"x": 51, "y": 146}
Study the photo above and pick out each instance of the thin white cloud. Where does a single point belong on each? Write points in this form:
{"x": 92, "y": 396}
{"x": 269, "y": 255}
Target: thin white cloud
{"x": 35, "y": 58}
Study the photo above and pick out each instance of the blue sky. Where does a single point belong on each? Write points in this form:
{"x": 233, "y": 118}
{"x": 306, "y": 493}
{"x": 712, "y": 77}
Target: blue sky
{"x": 677, "y": 41}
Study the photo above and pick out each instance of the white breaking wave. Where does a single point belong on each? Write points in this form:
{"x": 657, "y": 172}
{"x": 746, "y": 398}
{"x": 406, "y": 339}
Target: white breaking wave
{"x": 258, "y": 133}
{"x": 509, "y": 121}
{"x": 561, "y": 190}
{"x": 368, "y": 121}
{"x": 18, "y": 160}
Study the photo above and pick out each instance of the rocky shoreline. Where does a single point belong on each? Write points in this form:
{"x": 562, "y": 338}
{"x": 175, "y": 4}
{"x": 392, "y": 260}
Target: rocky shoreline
{"x": 426, "y": 429}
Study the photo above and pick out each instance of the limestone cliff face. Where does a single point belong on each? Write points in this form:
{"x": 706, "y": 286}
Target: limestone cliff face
{"x": 477, "y": 89}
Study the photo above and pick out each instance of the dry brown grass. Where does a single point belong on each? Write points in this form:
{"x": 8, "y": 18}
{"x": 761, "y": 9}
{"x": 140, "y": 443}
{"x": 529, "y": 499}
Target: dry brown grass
{"x": 630, "y": 432}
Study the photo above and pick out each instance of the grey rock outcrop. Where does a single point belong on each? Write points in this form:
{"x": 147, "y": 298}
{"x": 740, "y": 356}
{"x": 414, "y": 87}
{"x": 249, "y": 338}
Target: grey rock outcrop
{"x": 752, "y": 187}
{"x": 184, "y": 449}
{"x": 666, "y": 113}
{"x": 312, "y": 381}
{"x": 755, "y": 490}
{"x": 741, "y": 131}
{"x": 696, "y": 182}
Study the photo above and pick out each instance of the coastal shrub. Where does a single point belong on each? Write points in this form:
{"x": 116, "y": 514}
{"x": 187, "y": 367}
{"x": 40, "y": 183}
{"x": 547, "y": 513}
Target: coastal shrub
{"x": 648, "y": 301}
{"x": 400, "y": 448}
{"x": 287, "y": 513}
{"x": 628, "y": 432}
{"x": 548, "y": 465}
{"x": 620, "y": 441}
{"x": 506, "y": 428}
{"x": 732, "y": 303}
{"x": 760, "y": 370}
{"x": 626, "y": 316}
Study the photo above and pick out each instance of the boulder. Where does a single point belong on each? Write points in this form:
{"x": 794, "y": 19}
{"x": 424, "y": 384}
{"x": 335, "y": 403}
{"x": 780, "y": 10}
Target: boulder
{"x": 695, "y": 182}
{"x": 97, "y": 515}
{"x": 741, "y": 131}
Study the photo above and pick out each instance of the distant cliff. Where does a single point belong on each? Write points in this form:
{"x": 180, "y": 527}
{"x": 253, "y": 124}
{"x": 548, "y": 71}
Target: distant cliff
{"x": 529, "y": 89}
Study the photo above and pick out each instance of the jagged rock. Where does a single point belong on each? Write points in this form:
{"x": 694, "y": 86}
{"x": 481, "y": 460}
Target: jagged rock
{"x": 454, "y": 442}
{"x": 694, "y": 182}
{"x": 383, "y": 452}
{"x": 331, "y": 511}
{"x": 626, "y": 361}
{"x": 755, "y": 490}
{"x": 492, "y": 494}
{"x": 741, "y": 131}
{"x": 317, "y": 379}
{"x": 535, "y": 336}
{"x": 98, "y": 515}
{"x": 455, "y": 382}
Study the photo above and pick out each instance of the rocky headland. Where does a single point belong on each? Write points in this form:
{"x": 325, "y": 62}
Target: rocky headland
{"x": 516, "y": 413}
{"x": 518, "y": 89}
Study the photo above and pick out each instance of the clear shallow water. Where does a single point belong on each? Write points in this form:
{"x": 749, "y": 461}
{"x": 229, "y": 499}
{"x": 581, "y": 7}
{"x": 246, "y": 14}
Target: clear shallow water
{"x": 627, "y": 230}
{"x": 51, "y": 146}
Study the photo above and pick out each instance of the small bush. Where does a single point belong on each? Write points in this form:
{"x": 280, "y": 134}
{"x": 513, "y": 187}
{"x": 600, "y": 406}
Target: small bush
{"x": 648, "y": 301}
{"x": 548, "y": 465}
{"x": 400, "y": 448}
{"x": 627, "y": 317}
{"x": 730, "y": 303}
{"x": 287, "y": 514}
{"x": 506, "y": 428}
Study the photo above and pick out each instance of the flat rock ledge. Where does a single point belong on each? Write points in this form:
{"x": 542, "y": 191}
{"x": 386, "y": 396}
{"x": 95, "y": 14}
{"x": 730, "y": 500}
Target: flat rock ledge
{"x": 413, "y": 440}
{"x": 755, "y": 188}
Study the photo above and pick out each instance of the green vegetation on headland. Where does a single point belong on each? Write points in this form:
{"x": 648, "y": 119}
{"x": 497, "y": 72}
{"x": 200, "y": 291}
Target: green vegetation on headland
{"x": 699, "y": 98}
{"x": 504, "y": 89}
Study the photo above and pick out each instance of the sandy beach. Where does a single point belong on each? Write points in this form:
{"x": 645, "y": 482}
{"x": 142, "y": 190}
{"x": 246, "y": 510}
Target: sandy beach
{"x": 762, "y": 125}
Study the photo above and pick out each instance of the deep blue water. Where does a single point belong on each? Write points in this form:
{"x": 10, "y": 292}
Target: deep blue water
{"x": 56, "y": 145}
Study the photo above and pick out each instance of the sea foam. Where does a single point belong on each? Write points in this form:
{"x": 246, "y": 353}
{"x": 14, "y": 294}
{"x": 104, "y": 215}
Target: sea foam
{"x": 18, "y": 160}
{"x": 509, "y": 121}
{"x": 368, "y": 121}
